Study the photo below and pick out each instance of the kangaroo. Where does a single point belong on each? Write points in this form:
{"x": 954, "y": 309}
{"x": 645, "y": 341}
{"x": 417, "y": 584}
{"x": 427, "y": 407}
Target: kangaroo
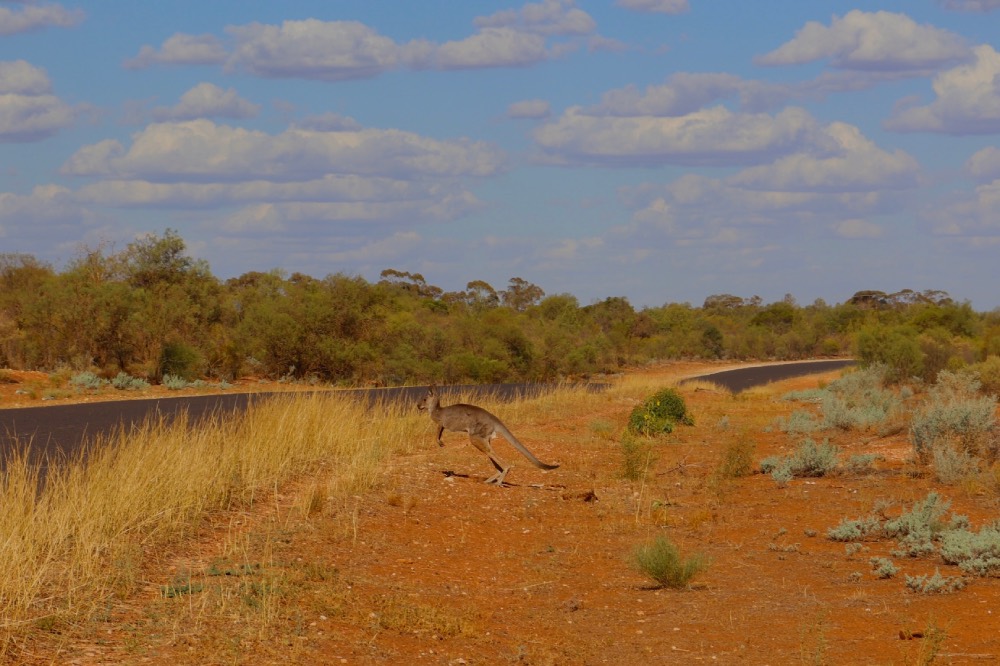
{"x": 482, "y": 428}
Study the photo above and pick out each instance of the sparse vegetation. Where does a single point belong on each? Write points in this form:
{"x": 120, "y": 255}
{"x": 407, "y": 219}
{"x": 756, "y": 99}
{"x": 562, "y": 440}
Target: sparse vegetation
{"x": 662, "y": 561}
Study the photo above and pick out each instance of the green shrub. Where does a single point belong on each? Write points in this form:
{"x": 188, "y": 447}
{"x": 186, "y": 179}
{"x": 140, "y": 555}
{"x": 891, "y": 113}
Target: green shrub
{"x": 659, "y": 413}
{"x": 737, "y": 459}
{"x": 180, "y": 360}
{"x": 988, "y": 372}
{"x": 636, "y": 457}
{"x": 661, "y": 560}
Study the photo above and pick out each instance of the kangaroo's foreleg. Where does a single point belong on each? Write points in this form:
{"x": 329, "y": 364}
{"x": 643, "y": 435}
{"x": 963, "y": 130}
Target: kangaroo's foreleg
{"x": 484, "y": 445}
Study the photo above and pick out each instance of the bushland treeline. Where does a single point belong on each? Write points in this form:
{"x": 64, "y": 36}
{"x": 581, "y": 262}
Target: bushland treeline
{"x": 151, "y": 310}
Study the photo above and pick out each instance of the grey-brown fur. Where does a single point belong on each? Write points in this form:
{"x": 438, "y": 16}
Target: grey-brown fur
{"x": 481, "y": 426}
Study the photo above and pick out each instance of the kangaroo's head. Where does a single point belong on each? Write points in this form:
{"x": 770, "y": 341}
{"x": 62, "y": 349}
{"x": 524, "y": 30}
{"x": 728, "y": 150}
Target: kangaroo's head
{"x": 429, "y": 401}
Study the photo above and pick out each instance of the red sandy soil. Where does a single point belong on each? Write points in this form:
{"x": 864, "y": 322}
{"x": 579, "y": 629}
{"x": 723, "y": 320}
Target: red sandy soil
{"x": 437, "y": 568}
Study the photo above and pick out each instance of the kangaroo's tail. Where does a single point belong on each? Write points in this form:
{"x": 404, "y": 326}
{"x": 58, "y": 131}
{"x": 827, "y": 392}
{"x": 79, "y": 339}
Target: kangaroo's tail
{"x": 509, "y": 436}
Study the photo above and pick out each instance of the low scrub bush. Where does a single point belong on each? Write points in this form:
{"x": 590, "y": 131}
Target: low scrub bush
{"x": 809, "y": 460}
{"x": 859, "y": 400}
{"x": 126, "y": 382}
{"x": 737, "y": 459}
{"x": 936, "y": 584}
{"x": 800, "y": 422}
{"x": 662, "y": 561}
{"x": 883, "y": 567}
{"x": 87, "y": 380}
{"x": 175, "y": 383}
{"x": 977, "y": 554}
{"x": 861, "y": 463}
{"x": 659, "y": 414}
{"x": 955, "y": 415}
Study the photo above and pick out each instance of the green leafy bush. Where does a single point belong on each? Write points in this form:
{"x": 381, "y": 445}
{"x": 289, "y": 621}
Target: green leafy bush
{"x": 180, "y": 360}
{"x": 659, "y": 413}
{"x": 661, "y": 560}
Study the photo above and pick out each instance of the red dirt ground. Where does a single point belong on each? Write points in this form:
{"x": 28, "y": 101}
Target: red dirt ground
{"x": 437, "y": 568}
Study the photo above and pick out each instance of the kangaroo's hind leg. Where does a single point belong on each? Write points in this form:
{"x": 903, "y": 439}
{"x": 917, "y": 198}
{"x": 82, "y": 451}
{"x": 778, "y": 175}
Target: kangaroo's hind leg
{"x": 483, "y": 444}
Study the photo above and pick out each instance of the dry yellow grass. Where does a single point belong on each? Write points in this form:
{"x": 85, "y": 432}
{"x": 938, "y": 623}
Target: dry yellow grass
{"x": 74, "y": 540}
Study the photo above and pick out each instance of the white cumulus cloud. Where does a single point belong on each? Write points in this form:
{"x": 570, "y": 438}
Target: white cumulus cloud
{"x": 201, "y": 150}
{"x": 871, "y": 41}
{"x": 850, "y": 162}
{"x": 37, "y": 16}
{"x": 28, "y": 110}
{"x": 984, "y": 165}
{"x": 180, "y": 49}
{"x": 711, "y": 136}
{"x": 208, "y": 100}
{"x": 967, "y": 100}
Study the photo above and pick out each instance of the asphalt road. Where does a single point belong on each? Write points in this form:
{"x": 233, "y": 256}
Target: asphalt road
{"x": 60, "y": 430}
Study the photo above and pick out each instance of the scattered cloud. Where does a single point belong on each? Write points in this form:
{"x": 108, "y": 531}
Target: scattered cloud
{"x": 350, "y": 50}
{"x": 180, "y": 49}
{"x": 37, "y": 17}
{"x": 970, "y": 5}
{"x": 207, "y": 100}
{"x": 658, "y": 6}
{"x": 880, "y": 41}
{"x": 529, "y": 108}
{"x": 984, "y": 165}
{"x": 314, "y": 49}
{"x": 28, "y": 110}
{"x": 201, "y": 150}
{"x": 967, "y": 100}
{"x": 850, "y": 163}
{"x": 858, "y": 228}
{"x": 549, "y": 17}
{"x": 493, "y": 47}
{"x": 710, "y": 136}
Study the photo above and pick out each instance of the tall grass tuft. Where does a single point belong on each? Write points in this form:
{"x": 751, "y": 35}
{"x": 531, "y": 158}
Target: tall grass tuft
{"x": 70, "y": 541}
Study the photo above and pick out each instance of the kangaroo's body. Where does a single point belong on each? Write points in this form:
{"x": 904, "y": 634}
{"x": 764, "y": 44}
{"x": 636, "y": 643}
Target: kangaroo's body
{"x": 481, "y": 426}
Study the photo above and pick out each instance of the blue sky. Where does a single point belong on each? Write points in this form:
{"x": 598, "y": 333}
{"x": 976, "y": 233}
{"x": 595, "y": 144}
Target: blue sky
{"x": 661, "y": 150}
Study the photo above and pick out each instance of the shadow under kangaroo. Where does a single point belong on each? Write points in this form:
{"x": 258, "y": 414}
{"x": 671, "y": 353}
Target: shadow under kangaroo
{"x": 482, "y": 428}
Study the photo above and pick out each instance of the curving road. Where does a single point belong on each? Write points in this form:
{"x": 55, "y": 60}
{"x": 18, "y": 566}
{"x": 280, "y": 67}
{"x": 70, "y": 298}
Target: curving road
{"x": 61, "y": 430}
